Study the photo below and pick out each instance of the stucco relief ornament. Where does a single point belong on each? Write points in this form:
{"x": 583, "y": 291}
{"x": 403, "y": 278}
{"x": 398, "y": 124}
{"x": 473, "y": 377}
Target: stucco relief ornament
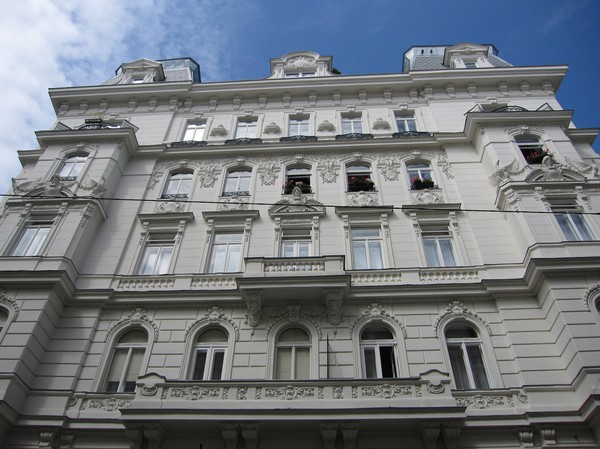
{"x": 592, "y": 293}
{"x": 219, "y": 131}
{"x": 333, "y": 301}
{"x": 326, "y": 126}
{"x": 166, "y": 207}
{"x": 300, "y": 61}
{"x": 268, "y": 172}
{"x": 233, "y": 203}
{"x": 589, "y": 170}
{"x": 208, "y": 175}
{"x": 21, "y": 188}
{"x": 427, "y": 197}
{"x": 362, "y": 199}
{"x": 456, "y": 309}
{"x": 254, "y": 307}
{"x": 97, "y": 187}
{"x": 387, "y": 168}
{"x": 272, "y": 128}
{"x": 328, "y": 170}
{"x": 381, "y": 124}
{"x": 9, "y": 301}
{"x": 137, "y": 316}
{"x": 504, "y": 174}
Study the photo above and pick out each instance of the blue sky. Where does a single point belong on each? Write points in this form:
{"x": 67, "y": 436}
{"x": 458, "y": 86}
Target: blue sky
{"x": 56, "y": 43}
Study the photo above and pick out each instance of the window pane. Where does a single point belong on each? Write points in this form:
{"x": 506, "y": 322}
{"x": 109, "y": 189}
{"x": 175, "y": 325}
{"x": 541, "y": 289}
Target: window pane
{"x": 359, "y": 255}
{"x": 477, "y": 367}
{"x": 293, "y": 335}
{"x": 164, "y": 260}
{"x": 431, "y": 255}
{"x": 213, "y": 336}
{"x": 375, "y": 255}
{"x": 283, "y": 367}
{"x": 376, "y": 332}
{"x": 134, "y": 336}
{"x": 133, "y": 371}
{"x": 581, "y": 227}
{"x": 233, "y": 262}
{"x": 302, "y": 363}
{"x": 217, "y": 368}
{"x": 200, "y": 364}
{"x": 458, "y": 367}
{"x": 566, "y": 226}
{"x": 370, "y": 364}
{"x": 116, "y": 369}
{"x": 149, "y": 260}
{"x": 447, "y": 254}
{"x": 388, "y": 364}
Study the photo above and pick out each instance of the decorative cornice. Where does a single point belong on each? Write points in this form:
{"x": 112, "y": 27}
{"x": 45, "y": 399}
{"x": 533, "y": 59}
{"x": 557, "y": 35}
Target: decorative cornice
{"x": 214, "y": 315}
{"x": 456, "y": 309}
{"x": 136, "y": 317}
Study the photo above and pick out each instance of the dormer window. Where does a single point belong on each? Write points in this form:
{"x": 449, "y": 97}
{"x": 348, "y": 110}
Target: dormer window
{"x": 470, "y": 64}
{"x": 301, "y": 64}
{"x": 300, "y": 74}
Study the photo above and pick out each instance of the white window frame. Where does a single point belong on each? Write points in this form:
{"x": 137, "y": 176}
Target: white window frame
{"x": 211, "y": 349}
{"x": 130, "y": 347}
{"x": 304, "y": 177}
{"x": 180, "y": 179}
{"x": 296, "y": 237}
{"x": 376, "y": 345}
{"x": 403, "y": 121}
{"x": 300, "y": 74}
{"x": 352, "y": 121}
{"x": 195, "y": 131}
{"x": 229, "y": 254}
{"x": 246, "y": 128}
{"x": 359, "y": 169}
{"x": 72, "y": 166}
{"x": 422, "y": 169}
{"x": 463, "y": 343}
{"x": 165, "y": 243}
{"x": 436, "y": 233}
{"x": 299, "y": 125}
{"x": 367, "y": 241}
{"x": 293, "y": 359}
{"x": 247, "y": 177}
{"x": 36, "y": 245}
{"x": 570, "y": 220}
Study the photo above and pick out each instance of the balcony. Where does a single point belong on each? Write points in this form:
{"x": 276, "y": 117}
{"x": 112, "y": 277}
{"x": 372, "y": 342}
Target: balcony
{"x": 294, "y": 266}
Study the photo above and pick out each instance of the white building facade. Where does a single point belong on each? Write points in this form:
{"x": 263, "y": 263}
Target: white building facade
{"x": 310, "y": 260}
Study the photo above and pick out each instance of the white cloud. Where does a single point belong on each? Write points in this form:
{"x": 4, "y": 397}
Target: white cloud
{"x": 57, "y": 43}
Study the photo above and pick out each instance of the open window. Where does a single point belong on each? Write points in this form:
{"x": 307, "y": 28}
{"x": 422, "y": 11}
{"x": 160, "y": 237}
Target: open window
{"x": 532, "y": 149}
{"x": 292, "y": 354}
{"x": 209, "y": 355}
{"x": 358, "y": 178}
{"x": 420, "y": 175}
{"x": 466, "y": 356}
{"x": 297, "y": 176}
{"x": 126, "y": 362}
{"x": 377, "y": 344}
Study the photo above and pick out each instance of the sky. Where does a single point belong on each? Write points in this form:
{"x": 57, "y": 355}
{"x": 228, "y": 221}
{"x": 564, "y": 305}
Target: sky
{"x": 59, "y": 43}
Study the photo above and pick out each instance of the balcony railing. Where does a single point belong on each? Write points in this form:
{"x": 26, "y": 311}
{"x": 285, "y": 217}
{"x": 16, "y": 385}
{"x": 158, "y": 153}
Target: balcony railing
{"x": 294, "y": 265}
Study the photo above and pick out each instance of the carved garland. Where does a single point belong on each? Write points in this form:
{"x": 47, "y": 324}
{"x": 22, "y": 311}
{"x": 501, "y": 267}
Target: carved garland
{"x": 456, "y": 309}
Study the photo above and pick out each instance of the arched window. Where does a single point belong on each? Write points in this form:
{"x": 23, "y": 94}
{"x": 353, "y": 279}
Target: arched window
{"x": 297, "y": 176}
{"x": 3, "y": 319}
{"x": 377, "y": 345}
{"x": 178, "y": 185}
{"x": 420, "y": 176}
{"x": 292, "y": 354}
{"x": 237, "y": 182}
{"x": 209, "y": 355}
{"x": 126, "y": 362}
{"x": 358, "y": 178}
{"x": 466, "y": 357}
{"x": 72, "y": 166}
{"x": 532, "y": 149}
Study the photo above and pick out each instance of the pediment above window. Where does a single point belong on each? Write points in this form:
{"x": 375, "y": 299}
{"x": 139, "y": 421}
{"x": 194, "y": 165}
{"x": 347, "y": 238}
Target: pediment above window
{"x": 301, "y": 64}
{"x": 465, "y": 49}
{"x": 140, "y": 71}
{"x": 297, "y": 205}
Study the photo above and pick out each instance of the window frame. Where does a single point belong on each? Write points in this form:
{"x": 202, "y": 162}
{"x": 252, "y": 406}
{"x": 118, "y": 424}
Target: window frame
{"x": 192, "y": 128}
{"x": 158, "y": 267}
{"x": 116, "y": 345}
{"x": 303, "y": 235}
{"x": 366, "y": 175}
{"x": 35, "y": 223}
{"x": 376, "y": 345}
{"x": 421, "y": 169}
{"x": 304, "y": 178}
{"x": 211, "y": 348}
{"x": 294, "y": 345}
{"x": 246, "y": 127}
{"x": 465, "y": 342}
{"x": 367, "y": 240}
{"x": 528, "y": 145}
{"x": 567, "y": 211}
{"x": 405, "y": 118}
{"x": 435, "y": 236}
{"x": 351, "y": 120}
{"x": 228, "y": 177}
{"x": 211, "y": 268}
{"x": 178, "y": 177}
{"x": 299, "y": 120}
{"x": 79, "y": 162}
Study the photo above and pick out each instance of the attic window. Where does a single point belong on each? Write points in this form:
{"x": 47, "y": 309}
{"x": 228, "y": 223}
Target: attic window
{"x": 137, "y": 80}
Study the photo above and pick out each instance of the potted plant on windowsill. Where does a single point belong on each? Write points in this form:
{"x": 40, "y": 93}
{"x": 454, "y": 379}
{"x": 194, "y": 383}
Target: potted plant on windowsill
{"x": 417, "y": 183}
{"x": 290, "y": 184}
{"x": 360, "y": 184}
{"x": 537, "y": 157}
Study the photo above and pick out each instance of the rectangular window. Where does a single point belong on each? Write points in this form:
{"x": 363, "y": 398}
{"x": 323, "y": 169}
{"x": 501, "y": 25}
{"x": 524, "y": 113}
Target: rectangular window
{"x": 406, "y": 123}
{"x": 296, "y": 243}
{"x": 571, "y": 222}
{"x": 194, "y": 131}
{"x": 300, "y": 75}
{"x": 32, "y": 239}
{"x": 226, "y": 253}
{"x": 367, "y": 251}
{"x": 298, "y": 127}
{"x": 246, "y": 128}
{"x": 352, "y": 124}
{"x": 437, "y": 244}
{"x": 157, "y": 255}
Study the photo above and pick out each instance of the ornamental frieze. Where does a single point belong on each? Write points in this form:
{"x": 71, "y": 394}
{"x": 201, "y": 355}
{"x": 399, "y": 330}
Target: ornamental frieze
{"x": 194, "y": 393}
{"x": 290, "y": 392}
{"x": 385, "y": 391}
{"x": 480, "y": 401}
{"x": 107, "y": 405}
